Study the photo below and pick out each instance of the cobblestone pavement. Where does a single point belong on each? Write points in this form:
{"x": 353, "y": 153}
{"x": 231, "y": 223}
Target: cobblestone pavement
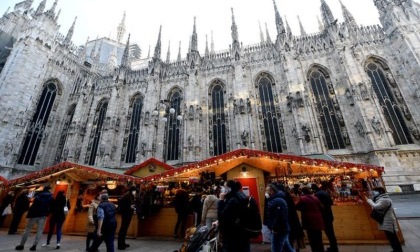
{"x": 406, "y": 210}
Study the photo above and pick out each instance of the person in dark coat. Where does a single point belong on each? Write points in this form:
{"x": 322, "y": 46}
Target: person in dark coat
{"x": 37, "y": 214}
{"x": 296, "y": 236}
{"x": 7, "y": 200}
{"x": 234, "y": 240}
{"x": 311, "y": 209}
{"x": 58, "y": 216}
{"x": 182, "y": 208}
{"x": 20, "y": 207}
{"x": 126, "y": 206}
{"x": 107, "y": 224}
{"x": 277, "y": 220}
{"x": 327, "y": 215}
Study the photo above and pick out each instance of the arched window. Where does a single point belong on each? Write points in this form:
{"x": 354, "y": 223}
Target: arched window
{"x": 172, "y": 135}
{"x": 328, "y": 109}
{"x": 39, "y": 121}
{"x": 97, "y": 131}
{"x": 392, "y": 104}
{"x": 64, "y": 134}
{"x": 218, "y": 141}
{"x": 271, "y": 118}
{"x": 133, "y": 137}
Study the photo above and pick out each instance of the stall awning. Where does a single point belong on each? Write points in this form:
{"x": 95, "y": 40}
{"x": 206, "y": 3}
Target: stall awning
{"x": 273, "y": 163}
{"x": 3, "y": 181}
{"x": 75, "y": 171}
{"x": 149, "y": 167}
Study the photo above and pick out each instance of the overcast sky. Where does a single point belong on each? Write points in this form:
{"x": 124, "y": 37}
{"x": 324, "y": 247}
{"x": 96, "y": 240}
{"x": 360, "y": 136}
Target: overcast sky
{"x": 101, "y": 18}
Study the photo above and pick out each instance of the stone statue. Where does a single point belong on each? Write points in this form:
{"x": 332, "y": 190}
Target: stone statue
{"x": 235, "y": 107}
{"x": 363, "y": 91}
{"x": 414, "y": 131}
{"x": 406, "y": 112}
{"x": 398, "y": 95}
{"x": 143, "y": 148}
{"x": 248, "y": 106}
{"x": 190, "y": 142}
{"x": 241, "y": 106}
{"x": 350, "y": 97}
{"x": 376, "y": 125}
{"x": 199, "y": 113}
{"x": 245, "y": 138}
{"x": 331, "y": 88}
{"x": 306, "y": 133}
{"x": 346, "y": 137}
{"x": 191, "y": 113}
{"x": 359, "y": 128}
{"x": 390, "y": 79}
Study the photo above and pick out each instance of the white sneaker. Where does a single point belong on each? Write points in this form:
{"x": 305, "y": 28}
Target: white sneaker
{"x": 58, "y": 246}
{"x": 45, "y": 245}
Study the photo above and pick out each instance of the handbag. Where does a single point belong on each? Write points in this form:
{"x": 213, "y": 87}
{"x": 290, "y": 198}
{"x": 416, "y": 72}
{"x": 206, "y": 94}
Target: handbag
{"x": 379, "y": 216}
{"x": 7, "y": 210}
{"x": 66, "y": 208}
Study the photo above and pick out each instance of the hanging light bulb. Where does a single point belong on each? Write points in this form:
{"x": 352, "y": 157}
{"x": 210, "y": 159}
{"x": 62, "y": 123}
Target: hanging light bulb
{"x": 164, "y": 119}
{"x": 172, "y": 111}
{"x": 155, "y": 112}
{"x": 179, "y": 117}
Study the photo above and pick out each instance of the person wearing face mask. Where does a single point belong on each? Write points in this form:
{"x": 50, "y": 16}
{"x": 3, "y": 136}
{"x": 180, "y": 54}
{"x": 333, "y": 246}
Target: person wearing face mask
{"x": 230, "y": 198}
{"x": 382, "y": 202}
{"x": 277, "y": 220}
{"x": 92, "y": 224}
{"x": 126, "y": 207}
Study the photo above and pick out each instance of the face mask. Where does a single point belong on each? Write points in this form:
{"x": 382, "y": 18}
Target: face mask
{"x": 225, "y": 189}
{"x": 267, "y": 195}
{"x": 134, "y": 193}
{"x": 375, "y": 193}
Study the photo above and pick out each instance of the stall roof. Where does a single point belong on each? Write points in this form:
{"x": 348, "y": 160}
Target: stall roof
{"x": 275, "y": 163}
{"x": 148, "y": 163}
{"x": 75, "y": 171}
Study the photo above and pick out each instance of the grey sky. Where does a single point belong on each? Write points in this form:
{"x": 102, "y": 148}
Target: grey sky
{"x": 101, "y": 18}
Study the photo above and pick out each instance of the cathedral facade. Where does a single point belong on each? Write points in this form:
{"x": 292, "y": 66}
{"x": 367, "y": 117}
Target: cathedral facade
{"x": 348, "y": 91}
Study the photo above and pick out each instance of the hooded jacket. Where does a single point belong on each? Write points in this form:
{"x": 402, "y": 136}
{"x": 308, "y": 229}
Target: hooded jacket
{"x": 381, "y": 203}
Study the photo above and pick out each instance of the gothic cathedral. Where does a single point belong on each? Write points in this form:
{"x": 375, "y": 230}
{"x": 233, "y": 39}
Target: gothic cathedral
{"x": 348, "y": 92}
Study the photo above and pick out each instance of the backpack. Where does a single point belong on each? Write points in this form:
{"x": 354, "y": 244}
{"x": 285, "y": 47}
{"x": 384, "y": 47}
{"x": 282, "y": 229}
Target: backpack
{"x": 249, "y": 217}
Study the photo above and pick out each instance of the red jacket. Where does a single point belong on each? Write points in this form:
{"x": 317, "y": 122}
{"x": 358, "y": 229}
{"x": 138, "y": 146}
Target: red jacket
{"x": 311, "y": 209}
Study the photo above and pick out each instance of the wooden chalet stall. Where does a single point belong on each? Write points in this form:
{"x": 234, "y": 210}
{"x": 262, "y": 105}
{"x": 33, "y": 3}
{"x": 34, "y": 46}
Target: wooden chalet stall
{"x": 254, "y": 169}
{"x": 3, "y": 187}
{"x": 81, "y": 184}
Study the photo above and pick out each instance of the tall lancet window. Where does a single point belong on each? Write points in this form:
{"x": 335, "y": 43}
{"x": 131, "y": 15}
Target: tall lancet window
{"x": 271, "y": 118}
{"x": 218, "y": 135}
{"x": 133, "y": 137}
{"x": 37, "y": 127}
{"x": 328, "y": 109}
{"x": 172, "y": 134}
{"x": 64, "y": 134}
{"x": 96, "y": 133}
{"x": 390, "y": 99}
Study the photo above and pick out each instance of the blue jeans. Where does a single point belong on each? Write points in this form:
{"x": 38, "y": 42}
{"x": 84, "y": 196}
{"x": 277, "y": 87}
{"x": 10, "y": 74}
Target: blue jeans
{"x": 280, "y": 242}
{"x": 58, "y": 225}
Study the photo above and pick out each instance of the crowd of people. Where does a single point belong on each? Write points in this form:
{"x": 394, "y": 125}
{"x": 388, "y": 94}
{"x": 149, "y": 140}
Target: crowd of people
{"x": 216, "y": 204}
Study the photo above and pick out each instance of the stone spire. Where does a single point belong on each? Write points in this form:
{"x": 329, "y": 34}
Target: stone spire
{"x": 84, "y": 52}
{"x": 288, "y": 29}
{"x": 168, "y": 54}
{"x": 98, "y": 54}
{"x": 234, "y": 29}
{"x": 125, "y": 61}
{"x": 92, "y": 52}
{"x": 179, "y": 52}
{"x": 268, "y": 34}
{"x": 158, "y": 45}
{"x": 121, "y": 29}
{"x": 261, "y": 33}
{"x": 320, "y": 25}
{"x": 41, "y": 8}
{"x": 212, "y": 43}
{"x": 327, "y": 16}
{"x": 302, "y": 30}
{"x": 348, "y": 17}
{"x": 148, "y": 53}
{"x": 206, "y": 53}
{"x": 69, "y": 35}
{"x": 112, "y": 60}
{"x": 7, "y": 11}
{"x": 51, "y": 12}
{"x": 194, "y": 38}
{"x": 58, "y": 15}
{"x": 279, "y": 21}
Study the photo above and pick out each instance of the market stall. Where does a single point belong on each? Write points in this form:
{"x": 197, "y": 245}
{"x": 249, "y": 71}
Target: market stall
{"x": 80, "y": 184}
{"x": 254, "y": 169}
